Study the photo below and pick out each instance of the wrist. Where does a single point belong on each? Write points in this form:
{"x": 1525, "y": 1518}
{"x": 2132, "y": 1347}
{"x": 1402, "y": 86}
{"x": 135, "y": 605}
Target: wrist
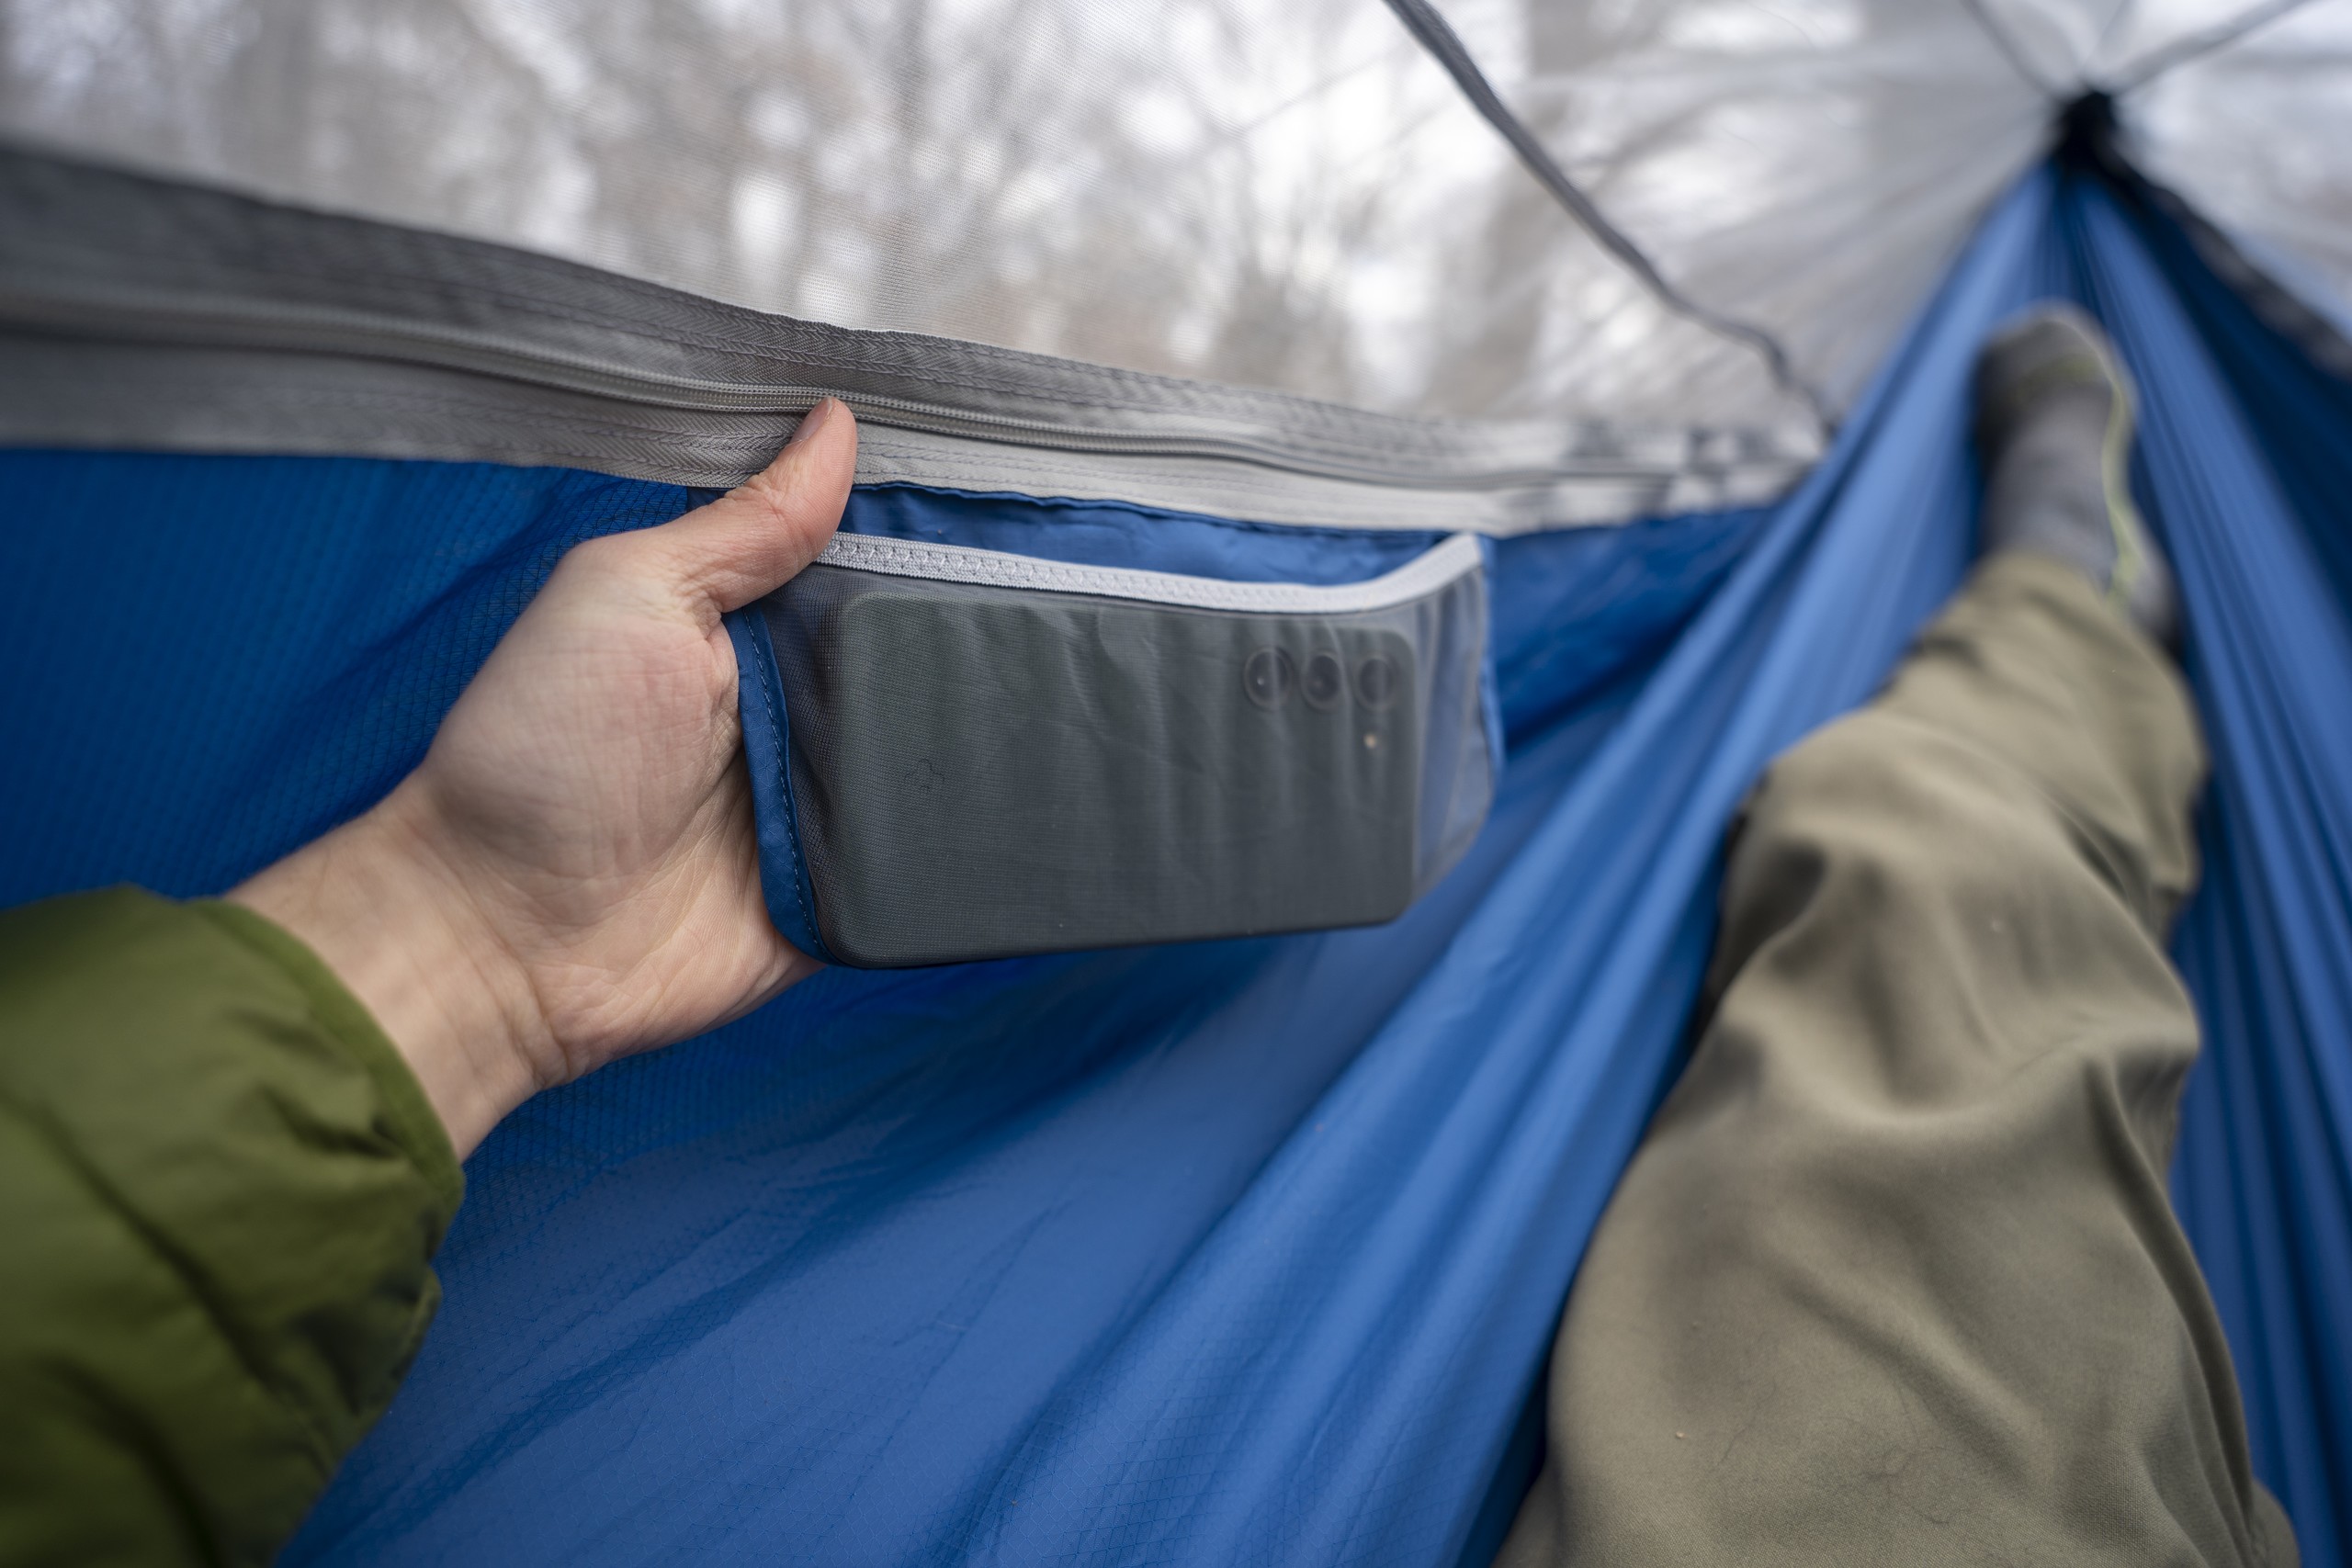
{"x": 382, "y": 910}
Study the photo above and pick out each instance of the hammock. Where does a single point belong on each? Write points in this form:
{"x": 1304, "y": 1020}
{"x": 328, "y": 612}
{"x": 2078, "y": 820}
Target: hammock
{"x": 1235, "y": 1252}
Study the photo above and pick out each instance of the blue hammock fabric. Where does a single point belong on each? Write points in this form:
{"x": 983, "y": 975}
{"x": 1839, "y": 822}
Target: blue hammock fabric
{"x": 1232, "y": 1253}
{"x": 2248, "y": 456}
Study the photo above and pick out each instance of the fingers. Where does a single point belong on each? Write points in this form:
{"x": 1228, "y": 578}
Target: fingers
{"x": 754, "y": 538}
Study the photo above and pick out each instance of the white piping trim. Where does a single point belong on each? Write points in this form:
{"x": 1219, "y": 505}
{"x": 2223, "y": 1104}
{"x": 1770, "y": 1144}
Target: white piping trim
{"x": 1426, "y": 573}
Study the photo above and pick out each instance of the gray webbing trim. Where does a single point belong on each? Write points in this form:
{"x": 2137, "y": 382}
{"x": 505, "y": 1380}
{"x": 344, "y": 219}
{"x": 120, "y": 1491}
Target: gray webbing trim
{"x": 151, "y": 313}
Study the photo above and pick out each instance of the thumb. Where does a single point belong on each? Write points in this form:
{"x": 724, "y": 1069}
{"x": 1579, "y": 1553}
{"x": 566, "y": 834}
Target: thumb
{"x": 757, "y": 537}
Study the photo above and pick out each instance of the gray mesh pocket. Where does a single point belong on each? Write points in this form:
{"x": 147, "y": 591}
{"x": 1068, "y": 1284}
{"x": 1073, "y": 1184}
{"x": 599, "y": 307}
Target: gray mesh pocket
{"x": 994, "y": 755}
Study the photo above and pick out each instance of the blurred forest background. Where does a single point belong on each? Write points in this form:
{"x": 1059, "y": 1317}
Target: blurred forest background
{"x": 1283, "y": 193}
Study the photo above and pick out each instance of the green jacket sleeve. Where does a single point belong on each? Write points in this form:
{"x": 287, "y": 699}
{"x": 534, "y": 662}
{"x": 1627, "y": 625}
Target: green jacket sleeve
{"x": 219, "y": 1193}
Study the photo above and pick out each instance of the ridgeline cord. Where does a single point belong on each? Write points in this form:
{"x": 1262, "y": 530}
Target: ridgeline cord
{"x": 2014, "y": 54}
{"x": 2196, "y": 46}
{"x": 1420, "y": 19}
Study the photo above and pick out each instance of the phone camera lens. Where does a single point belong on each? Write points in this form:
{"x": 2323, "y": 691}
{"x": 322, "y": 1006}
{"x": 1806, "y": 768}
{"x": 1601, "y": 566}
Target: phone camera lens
{"x": 1268, "y": 678}
{"x": 1326, "y": 683}
{"x": 1376, "y": 683}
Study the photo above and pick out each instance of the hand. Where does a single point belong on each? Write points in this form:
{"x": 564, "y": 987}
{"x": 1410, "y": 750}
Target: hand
{"x": 571, "y": 873}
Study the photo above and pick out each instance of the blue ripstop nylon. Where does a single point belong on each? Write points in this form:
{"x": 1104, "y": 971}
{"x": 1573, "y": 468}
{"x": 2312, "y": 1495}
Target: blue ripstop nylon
{"x": 1231, "y": 1253}
{"x": 2247, "y": 460}
{"x": 768, "y": 740}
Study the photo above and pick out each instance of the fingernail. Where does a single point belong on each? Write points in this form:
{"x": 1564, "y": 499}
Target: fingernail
{"x": 812, "y": 419}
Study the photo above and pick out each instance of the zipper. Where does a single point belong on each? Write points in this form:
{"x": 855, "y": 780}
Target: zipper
{"x": 141, "y": 317}
{"x": 1442, "y": 564}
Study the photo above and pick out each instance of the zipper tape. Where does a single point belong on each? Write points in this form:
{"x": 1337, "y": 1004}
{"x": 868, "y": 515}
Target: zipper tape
{"x": 1425, "y": 574}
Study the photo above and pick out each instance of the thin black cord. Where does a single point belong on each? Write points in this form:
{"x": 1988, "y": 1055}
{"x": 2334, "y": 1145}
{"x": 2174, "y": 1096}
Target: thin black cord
{"x": 2010, "y": 51}
{"x": 2198, "y": 45}
{"x": 1422, "y": 21}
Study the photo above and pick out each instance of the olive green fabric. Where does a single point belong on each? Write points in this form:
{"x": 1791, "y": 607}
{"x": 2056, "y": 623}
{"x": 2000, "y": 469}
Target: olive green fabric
{"x": 1894, "y": 1278}
{"x": 222, "y": 1189}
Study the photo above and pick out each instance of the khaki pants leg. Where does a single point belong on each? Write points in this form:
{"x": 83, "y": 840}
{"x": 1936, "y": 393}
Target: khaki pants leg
{"x": 1894, "y": 1278}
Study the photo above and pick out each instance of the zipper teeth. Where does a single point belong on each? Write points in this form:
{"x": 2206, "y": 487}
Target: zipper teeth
{"x": 126, "y": 317}
{"x": 1435, "y": 569}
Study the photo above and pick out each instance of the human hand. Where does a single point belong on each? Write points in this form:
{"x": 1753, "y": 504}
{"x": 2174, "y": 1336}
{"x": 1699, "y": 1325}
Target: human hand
{"x": 571, "y": 873}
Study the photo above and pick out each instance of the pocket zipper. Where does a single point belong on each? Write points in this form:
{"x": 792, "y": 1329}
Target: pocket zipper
{"x": 1443, "y": 563}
